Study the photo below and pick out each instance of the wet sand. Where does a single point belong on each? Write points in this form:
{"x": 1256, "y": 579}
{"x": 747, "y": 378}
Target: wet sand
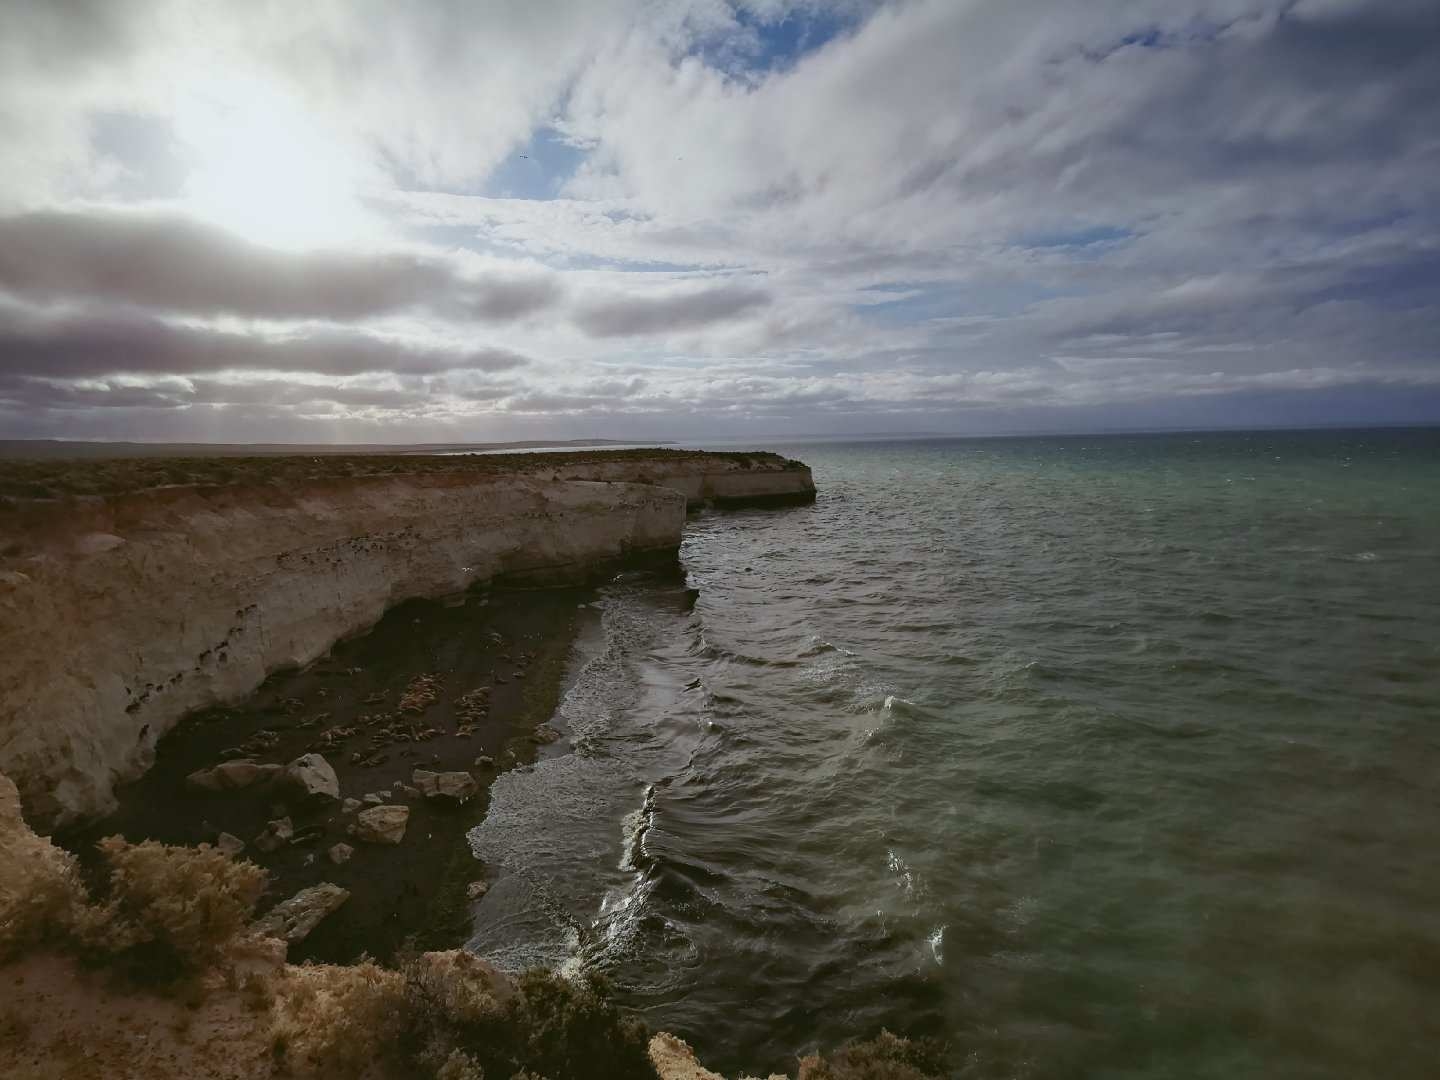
{"x": 346, "y": 706}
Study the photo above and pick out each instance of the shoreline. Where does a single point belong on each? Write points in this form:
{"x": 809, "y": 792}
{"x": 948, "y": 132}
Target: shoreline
{"x": 412, "y": 895}
{"x": 165, "y": 600}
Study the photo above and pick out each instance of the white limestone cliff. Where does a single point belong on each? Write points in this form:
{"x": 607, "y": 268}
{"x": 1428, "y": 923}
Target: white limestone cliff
{"x": 121, "y": 614}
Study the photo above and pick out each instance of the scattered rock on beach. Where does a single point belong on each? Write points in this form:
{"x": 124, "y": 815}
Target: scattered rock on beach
{"x": 230, "y": 775}
{"x": 476, "y": 889}
{"x": 349, "y": 806}
{"x": 381, "y": 824}
{"x": 308, "y": 835}
{"x": 276, "y": 835}
{"x": 293, "y": 919}
{"x": 454, "y": 787}
{"x": 375, "y": 798}
{"x": 544, "y": 735}
{"x": 310, "y": 779}
{"x": 229, "y": 843}
{"x": 484, "y": 761}
{"x": 340, "y": 853}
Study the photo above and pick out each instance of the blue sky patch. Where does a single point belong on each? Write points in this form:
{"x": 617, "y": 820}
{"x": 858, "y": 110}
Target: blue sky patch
{"x": 763, "y": 46}
{"x": 537, "y": 170}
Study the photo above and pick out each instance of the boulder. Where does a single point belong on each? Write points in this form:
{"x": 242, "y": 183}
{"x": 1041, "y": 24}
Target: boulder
{"x": 308, "y": 834}
{"x": 230, "y": 775}
{"x": 375, "y": 798}
{"x": 381, "y": 824}
{"x": 476, "y": 889}
{"x": 310, "y": 779}
{"x": 293, "y": 919}
{"x": 452, "y": 787}
{"x": 276, "y": 835}
{"x": 349, "y": 806}
{"x": 544, "y": 735}
{"x": 229, "y": 843}
{"x": 340, "y": 853}
{"x": 484, "y": 761}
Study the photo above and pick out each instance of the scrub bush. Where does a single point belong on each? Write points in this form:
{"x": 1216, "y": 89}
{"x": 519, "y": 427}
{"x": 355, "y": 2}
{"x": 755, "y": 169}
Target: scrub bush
{"x": 885, "y": 1057}
{"x": 171, "y": 911}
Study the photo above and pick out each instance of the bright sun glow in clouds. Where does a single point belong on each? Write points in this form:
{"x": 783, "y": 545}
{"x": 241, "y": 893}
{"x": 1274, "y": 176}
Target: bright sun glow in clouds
{"x": 270, "y": 173}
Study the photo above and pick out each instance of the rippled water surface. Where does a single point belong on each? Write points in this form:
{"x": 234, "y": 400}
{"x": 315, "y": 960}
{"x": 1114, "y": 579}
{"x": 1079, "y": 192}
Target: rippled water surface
{"x": 1105, "y": 756}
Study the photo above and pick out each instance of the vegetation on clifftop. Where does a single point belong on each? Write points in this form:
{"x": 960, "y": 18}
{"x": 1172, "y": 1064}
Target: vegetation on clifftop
{"x": 49, "y": 478}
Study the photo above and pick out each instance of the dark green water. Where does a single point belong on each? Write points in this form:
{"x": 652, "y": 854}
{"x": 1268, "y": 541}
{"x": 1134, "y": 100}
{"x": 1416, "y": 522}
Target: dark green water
{"x": 1101, "y": 757}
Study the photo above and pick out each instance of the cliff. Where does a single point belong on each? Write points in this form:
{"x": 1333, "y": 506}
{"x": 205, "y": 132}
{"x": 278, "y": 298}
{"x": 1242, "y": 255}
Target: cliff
{"x": 243, "y": 1011}
{"x": 120, "y": 612}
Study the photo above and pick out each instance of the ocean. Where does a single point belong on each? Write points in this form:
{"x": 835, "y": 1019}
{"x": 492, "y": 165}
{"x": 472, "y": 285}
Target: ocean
{"x": 1104, "y": 756}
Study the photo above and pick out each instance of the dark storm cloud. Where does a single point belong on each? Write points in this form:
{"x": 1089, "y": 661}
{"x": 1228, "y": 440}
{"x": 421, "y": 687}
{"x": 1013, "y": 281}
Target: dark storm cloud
{"x": 175, "y": 265}
{"x": 643, "y": 315}
{"x": 138, "y": 344}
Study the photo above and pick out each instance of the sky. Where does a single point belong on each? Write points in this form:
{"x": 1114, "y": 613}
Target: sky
{"x": 680, "y": 219}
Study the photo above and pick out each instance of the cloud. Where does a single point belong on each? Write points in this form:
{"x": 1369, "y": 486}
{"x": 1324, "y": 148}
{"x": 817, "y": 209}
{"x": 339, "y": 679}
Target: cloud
{"x": 936, "y": 212}
{"x": 104, "y": 344}
{"x": 625, "y": 316}
{"x": 168, "y": 263}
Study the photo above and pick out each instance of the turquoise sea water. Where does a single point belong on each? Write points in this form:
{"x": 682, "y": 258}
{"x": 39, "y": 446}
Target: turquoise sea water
{"x": 1099, "y": 756}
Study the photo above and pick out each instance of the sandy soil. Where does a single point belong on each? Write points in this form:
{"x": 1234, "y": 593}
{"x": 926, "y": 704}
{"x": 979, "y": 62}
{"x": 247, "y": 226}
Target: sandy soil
{"x": 58, "y": 1020}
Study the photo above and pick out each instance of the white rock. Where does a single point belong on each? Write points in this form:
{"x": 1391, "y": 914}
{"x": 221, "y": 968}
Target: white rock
{"x": 381, "y": 824}
{"x": 293, "y": 919}
{"x": 230, "y": 775}
{"x": 311, "y": 780}
{"x": 454, "y": 787}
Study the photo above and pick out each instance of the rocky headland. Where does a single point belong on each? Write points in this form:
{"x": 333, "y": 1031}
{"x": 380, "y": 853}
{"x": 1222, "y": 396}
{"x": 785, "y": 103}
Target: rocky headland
{"x": 125, "y": 607}
{"x": 261, "y": 701}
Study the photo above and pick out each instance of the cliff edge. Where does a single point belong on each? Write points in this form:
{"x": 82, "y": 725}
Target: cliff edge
{"x": 124, "y": 610}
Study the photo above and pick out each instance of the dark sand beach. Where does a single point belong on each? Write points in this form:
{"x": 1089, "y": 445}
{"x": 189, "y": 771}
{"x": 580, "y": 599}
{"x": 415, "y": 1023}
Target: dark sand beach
{"x": 510, "y": 645}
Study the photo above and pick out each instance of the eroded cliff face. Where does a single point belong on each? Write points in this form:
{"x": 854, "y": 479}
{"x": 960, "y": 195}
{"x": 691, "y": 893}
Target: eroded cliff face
{"x": 119, "y": 615}
{"x": 735, "y": 481}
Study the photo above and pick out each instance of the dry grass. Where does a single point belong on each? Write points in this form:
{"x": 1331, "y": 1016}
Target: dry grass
{"x": 40, "y": 887}
{"x": 885, "y": 1057}
{"x": 335, "y": 1021}
{"x": 453, "y": 1017}
{"x": 172, "y": 912}
{"x": 49, "y": 478}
